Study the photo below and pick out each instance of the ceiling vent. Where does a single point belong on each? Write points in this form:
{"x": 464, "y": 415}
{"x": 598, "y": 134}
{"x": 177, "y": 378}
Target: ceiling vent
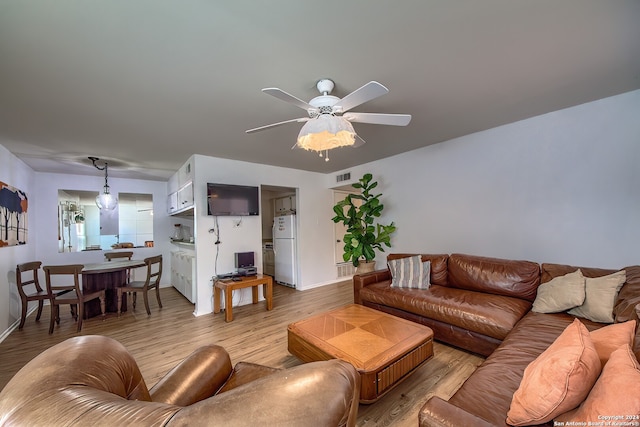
{"x": 343, "y": 177}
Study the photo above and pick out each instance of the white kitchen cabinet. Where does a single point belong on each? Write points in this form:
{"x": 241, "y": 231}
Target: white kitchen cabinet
{"x": 185, "y": 196}
{"x": 284, "y": 205}
{"x": 180, "y": 199}
{"x": 172, "y": 203}
{"x": 183, "y": 273}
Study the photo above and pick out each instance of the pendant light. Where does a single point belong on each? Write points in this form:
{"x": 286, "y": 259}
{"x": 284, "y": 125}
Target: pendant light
{"x": 105, "y": 201}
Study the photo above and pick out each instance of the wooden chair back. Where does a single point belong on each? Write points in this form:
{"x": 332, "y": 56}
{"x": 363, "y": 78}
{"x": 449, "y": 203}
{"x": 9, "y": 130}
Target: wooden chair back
{"x": 31, "y": 269}
{"x": 73, "y": 270}
{"x": 154, "y": 271}
{"x": 27, "y": 277}
{"x": 112, "y": 255}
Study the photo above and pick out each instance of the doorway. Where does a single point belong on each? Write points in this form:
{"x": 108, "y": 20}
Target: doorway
{"x": 279, "y": 246}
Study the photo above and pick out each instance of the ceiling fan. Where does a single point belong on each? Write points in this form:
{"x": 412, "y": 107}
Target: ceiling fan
{"x": 327, "y": 105}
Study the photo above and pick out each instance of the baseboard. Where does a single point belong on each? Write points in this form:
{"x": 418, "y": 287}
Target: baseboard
{"x": 15, "y": 325}
{"x": 330, "y": 282}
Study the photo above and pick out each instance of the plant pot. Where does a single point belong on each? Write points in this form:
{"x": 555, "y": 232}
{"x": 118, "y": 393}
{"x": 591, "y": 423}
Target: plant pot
{"x": 365, "y": 267}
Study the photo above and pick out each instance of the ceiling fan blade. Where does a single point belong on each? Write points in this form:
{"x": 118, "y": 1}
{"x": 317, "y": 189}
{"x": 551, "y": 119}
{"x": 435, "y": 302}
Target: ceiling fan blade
{"x": 272, "y": 125}
{"x": 359, "y": 142}
{"x": 284, "y": 96}
{"x": 379, "y": 118}
{"x": 359, "y": 96}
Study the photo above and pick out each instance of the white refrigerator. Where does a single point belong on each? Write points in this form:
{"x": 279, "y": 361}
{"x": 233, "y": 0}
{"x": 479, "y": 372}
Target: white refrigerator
{"x": 284, "y": 249}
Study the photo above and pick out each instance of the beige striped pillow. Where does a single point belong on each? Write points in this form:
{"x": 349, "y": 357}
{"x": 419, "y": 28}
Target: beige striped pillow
{"x": 410, "y": 272}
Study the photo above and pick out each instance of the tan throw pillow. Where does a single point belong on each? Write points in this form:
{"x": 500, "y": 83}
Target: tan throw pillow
{"x": 558, "y": 380}
{"x": 410, "y": 272}
{"x": 615, "y": 392}
{"x": 560, "y": 293}
{"x": 601, "y": 293}
{"x": 608, "y": 339}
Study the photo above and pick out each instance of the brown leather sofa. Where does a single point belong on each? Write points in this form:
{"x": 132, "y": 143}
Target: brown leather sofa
{"x": 483, "y": 305}
{"x": 473, "y": 302}
{"x": 93, "y": 380}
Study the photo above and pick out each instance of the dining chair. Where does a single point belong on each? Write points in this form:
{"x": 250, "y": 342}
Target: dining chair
{"x": 30, "y": 294}
{"x": 74, "y": 296}
{"x": 116, "y": 255}
{"x": 154, "y": 273}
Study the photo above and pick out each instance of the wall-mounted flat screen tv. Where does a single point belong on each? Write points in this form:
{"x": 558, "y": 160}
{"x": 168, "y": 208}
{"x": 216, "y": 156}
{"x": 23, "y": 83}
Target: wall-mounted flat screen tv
{"x": 232, "y": 200}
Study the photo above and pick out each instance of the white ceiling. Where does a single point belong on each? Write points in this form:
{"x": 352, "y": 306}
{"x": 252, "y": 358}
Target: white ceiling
{"x": 147, "y": 83}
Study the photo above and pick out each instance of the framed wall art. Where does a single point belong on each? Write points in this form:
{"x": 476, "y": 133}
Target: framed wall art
{"x": 13, "y": 216}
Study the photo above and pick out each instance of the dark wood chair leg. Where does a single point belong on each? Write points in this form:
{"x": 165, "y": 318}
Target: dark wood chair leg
{"x": 135, "y": 297}
{"x": 53, "y": 317}
{"x": 23, "y": 316}
{"x": 146, "y": 302}
{"x": 80, "y": 316}
{"x": 158, "y": 296}
{"x": 40, "y": 305}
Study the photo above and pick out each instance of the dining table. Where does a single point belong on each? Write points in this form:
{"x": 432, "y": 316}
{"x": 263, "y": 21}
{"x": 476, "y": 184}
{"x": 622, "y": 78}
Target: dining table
{"x": 109, "y": 276}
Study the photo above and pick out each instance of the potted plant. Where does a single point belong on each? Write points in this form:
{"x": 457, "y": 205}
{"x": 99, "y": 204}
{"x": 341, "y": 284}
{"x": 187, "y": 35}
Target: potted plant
{"x": 358, "y": 212}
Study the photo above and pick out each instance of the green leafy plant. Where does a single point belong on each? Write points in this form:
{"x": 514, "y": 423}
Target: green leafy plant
{"x": 358, "y": 212}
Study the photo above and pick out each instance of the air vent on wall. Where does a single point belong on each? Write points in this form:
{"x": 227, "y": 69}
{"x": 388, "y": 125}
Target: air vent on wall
{"x": 343, "y": 177}
{"x": 345, "y": 269}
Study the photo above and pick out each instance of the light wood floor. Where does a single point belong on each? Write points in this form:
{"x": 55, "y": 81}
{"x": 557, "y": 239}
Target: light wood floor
{"x": 158, "y": 342}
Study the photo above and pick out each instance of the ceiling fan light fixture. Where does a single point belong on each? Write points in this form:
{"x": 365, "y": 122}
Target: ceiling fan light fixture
{"x": 326, "y": 132}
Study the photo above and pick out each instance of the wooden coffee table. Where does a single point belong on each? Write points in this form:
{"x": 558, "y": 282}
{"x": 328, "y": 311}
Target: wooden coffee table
{"x": 384, "y": 349}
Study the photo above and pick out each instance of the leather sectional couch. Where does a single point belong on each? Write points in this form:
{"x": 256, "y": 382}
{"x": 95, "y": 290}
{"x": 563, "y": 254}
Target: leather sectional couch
{"x": 483, "y": 305}
{"x": 93, "y": 380}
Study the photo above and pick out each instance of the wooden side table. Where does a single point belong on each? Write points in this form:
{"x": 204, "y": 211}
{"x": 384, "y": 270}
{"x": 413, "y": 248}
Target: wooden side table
{"x": 228, "y": 286}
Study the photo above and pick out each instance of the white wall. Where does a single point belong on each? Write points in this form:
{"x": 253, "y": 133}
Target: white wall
{"x": 315, "y": 229}
{"x": 46, "y": 192}
{"x": 563, "y": 187}
{"x": 17, "y": 174}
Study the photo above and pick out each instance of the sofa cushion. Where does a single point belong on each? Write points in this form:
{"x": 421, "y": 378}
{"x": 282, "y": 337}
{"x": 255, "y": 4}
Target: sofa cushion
{"x": 600, "y": 297}
{"x": 519, "y": 279}
{"x": 487, "y": 314}
{"x": 560, "y": 293}
{"x": 558, "y": 380}
{"x": 410, "y": 272}
{"x": 488, "y": 392}
{"x": 613, "y": 394}
{"x": 245, "y": 372}
{"x": 438, "y": 262}
{"x": 608, "y": 339}
{"x": 629, "y": 296}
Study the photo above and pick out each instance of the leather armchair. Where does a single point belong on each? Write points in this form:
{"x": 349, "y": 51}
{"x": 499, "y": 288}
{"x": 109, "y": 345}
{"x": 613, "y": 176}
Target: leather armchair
{"x": 94, "y": 380}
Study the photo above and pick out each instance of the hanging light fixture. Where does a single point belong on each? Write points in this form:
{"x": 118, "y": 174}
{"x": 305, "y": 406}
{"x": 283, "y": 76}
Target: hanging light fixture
{"x": 105, "y": 201}
{"x": 324, "y": 133}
